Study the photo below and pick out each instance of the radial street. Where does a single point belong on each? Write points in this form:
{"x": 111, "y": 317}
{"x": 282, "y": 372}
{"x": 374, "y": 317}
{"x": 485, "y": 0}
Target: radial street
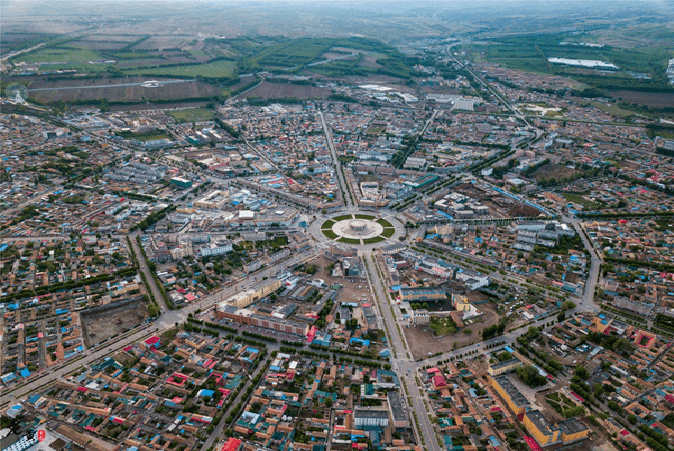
{"x": 400, "y": 361}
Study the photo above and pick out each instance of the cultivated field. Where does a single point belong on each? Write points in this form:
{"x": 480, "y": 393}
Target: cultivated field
{"x": 216, "y": 69}
{"x": 12, "y": 41}
{"x": 59, "y": 54}
{"x": 268, "y": 90}
{"x": 179, "y": 91}
{"x": 651, "y": 99}
{"x": 192, "y": 115}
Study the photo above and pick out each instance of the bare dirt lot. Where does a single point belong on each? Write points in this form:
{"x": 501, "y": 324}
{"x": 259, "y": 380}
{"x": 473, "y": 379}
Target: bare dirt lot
{"x": 54, "y": 90}
{"x": 556, "y": 171}
{"x": 529, "y": 79}
{"x": 421, "y": 339}
{"x": 651, "y": 99}
{"x": 102, "y": 324}
{"x": 353, "y": 288}
{"x": 283, "y": 90}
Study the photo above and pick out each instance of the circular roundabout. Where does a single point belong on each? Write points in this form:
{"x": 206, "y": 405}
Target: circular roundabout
{"x": 362, "y": 229}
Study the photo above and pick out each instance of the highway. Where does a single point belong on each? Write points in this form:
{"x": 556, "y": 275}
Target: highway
{"x": 512, "y": 108}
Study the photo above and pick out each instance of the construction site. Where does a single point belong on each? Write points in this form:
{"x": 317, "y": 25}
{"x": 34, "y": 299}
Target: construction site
{"x": 106, "y": 321}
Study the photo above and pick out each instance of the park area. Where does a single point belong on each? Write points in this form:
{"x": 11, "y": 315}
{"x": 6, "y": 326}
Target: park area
{"x": 563, "y": 405}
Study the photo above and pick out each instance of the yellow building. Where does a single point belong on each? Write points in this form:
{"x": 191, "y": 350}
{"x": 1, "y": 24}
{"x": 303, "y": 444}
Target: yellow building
{"x": 422, "y": 294}
{"x": 572, "y": 430}
{"x": 539, "y": 428}
{"x": 510, "y": 394}
{"x": 545, "y": 433}
{"x": 504, "y": 367}
{"x": 245, "y": 298}
{"x": 460, "y": 303}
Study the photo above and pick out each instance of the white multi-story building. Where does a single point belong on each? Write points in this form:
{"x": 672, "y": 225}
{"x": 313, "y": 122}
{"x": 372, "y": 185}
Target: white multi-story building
{"x": 420, "y": 316}
{"x": 472, "y": 279}
{"x": 216, "y": 248}
{"x": 371, "y": 417}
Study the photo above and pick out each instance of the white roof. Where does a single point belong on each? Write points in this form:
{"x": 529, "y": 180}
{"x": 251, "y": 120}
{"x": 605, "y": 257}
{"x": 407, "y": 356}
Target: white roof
{"x": 246, "y": 214}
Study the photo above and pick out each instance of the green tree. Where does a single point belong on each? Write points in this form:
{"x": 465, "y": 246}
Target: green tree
{"x": 529, "y": 375}
{"x": 581, "y": 372}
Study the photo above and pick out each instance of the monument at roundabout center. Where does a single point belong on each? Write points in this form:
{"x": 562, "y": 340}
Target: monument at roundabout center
{"x": 359, "y": 229}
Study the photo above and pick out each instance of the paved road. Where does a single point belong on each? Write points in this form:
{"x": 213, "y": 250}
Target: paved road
{"x": 587, "y": 302}
{"x": 346, "y": 188}
{"x": 428, "y": 122}
{"x": 18, "y": 52}
{"x": 120, "y": 85}
{"x": 261, "y": 155}
{"x": 318, "y": 63}
{"x": 166, "y": 321}
{"x": 512, "y": 108}
{"x": 401, "y": 361}
{"x": 218, "y": 431}
{"x": 148, "y": 275}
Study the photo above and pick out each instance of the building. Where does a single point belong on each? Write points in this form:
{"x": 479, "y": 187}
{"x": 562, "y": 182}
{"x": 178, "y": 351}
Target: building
{"x": 252, "y": 266}
{"x": 370, "y": 417}
{"x": 422, "y": 294}
{"x": 504, "y": 367}
{"x": 472, "y": 279}
{"x": 371, "y": 322}
{"x": 461, "y": 304}
{"x": 645, "y": 339}
{"x": 216, "y": 248}
{"x": 510, "y": 394}
{"x": 160, "y": 251}
{"x": 181, "y": 182}
{"x": 232, "y": 444}
{"x": 214, "y": 200}
{"x": 420, "y": 317}
{"x": 250, "y": 317}
{"x": 397, "y": 410}
{"x": 546, "y": 433}
{"x": 350, "y": 267}
{"x": 245, "y": 298}
{"x": 415, "y": 163}
{"x": 23, "y": 443}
